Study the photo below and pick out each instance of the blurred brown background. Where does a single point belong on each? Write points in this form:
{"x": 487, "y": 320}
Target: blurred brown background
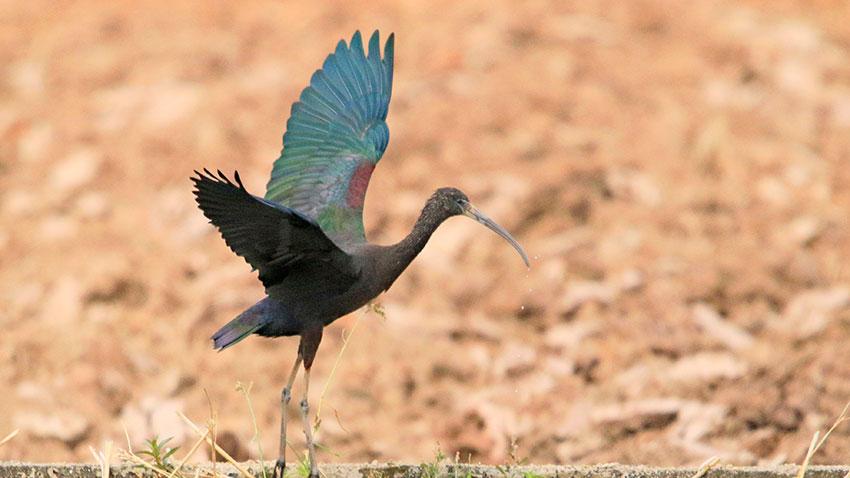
{"x": 677, "y": 170}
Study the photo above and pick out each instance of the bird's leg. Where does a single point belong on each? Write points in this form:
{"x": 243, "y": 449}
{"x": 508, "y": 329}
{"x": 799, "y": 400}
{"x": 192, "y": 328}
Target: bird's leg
{"x": 310, "y": 339}
{"x": 308, "y": 430}
{"x": 285, "y": 396}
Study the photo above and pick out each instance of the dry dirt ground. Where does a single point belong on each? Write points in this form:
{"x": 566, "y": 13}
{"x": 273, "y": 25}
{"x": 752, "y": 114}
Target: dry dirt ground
{"x": 679, "y": 172}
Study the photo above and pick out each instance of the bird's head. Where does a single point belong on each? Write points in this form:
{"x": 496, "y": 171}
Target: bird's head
{"x": 453, "y": 202}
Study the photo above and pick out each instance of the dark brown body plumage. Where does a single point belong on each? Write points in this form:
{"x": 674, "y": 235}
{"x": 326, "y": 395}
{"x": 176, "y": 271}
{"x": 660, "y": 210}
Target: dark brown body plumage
{"x": 312, "y": 273}
{"x": 310, "y": 281}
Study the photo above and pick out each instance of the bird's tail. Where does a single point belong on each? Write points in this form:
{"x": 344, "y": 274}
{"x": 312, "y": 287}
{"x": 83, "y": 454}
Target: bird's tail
{"x": 245, "y": 324}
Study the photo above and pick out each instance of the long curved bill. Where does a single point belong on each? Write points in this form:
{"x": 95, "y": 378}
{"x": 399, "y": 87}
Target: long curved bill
{"x": 472, "y": 212}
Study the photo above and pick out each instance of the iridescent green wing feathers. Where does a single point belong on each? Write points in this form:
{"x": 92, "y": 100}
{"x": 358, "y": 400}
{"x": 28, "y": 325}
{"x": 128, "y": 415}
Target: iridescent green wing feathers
{"x": 334, "y": 138}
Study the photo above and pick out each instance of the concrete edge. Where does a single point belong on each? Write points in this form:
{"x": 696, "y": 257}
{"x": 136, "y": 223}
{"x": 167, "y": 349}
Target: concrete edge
{"x": 613, "y": 470}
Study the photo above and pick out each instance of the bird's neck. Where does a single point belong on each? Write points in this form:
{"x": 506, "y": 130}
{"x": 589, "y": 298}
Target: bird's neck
{"x": 408, "y": 248}
{"x": 425, "y": 226}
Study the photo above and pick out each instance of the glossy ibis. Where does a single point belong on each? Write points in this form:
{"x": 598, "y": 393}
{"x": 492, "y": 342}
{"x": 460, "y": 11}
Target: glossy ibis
{"x": 306, "y": 237}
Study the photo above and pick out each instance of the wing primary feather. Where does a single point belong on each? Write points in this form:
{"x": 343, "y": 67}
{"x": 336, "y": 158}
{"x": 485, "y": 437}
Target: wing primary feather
{"x": 389, "y": 60}
{"x": 272, "y": 238}
{"x": 357, "y": 43}
{"x": 239, "y": 180}
{"x": 337, "y": 127}
{"x": 375, "y": 45}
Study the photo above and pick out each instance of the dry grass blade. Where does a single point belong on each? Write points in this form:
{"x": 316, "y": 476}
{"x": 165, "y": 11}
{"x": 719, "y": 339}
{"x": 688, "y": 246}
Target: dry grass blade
{"x": 816, "y": 444}
{"x": 256, "y": 438}
{"x": 346, "y": 338}
{"x": 841, "y": 419}
{"x": 9, "y": 437}
{"x": 127, "y": 436}
{"x": 103, "y": 458}
{"x": 706, "y": 466}
{"x": 189, "y": 455}
{"x": 211, "y": 427}
{"x": 339, "y": 421}
{"x": 811, "y": 451}
{"x": 130, "y": 456}
{"x": 217, "y": 448}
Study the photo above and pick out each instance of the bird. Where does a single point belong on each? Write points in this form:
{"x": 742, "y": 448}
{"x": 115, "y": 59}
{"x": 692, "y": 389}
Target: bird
{"x": 305, "y": 236}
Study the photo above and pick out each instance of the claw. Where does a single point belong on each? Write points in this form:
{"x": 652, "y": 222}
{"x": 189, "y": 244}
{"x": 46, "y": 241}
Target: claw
{"x": 279, "y": 468}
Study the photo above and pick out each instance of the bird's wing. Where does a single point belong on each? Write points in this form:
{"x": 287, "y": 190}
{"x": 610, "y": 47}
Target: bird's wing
{"x": 273, "y": 239}
{"x": 334, "y": 138}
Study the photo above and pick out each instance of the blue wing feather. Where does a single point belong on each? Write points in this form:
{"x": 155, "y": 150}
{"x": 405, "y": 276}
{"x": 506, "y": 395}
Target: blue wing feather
{"x": 336, "y": 127}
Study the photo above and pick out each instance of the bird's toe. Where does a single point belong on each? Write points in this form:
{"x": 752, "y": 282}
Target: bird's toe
{"x": 279, "y": 468}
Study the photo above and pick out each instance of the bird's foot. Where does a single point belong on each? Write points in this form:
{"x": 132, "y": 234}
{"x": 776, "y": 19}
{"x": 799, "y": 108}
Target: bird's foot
{"x": 279, "y": 468}
{"x": 314, "y": 474}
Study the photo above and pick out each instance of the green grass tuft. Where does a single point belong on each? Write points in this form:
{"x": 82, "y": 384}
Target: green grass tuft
{"x": 302, "y": 469}
{"x": 431, "y": 469}
{"x": 159, "y": 453}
